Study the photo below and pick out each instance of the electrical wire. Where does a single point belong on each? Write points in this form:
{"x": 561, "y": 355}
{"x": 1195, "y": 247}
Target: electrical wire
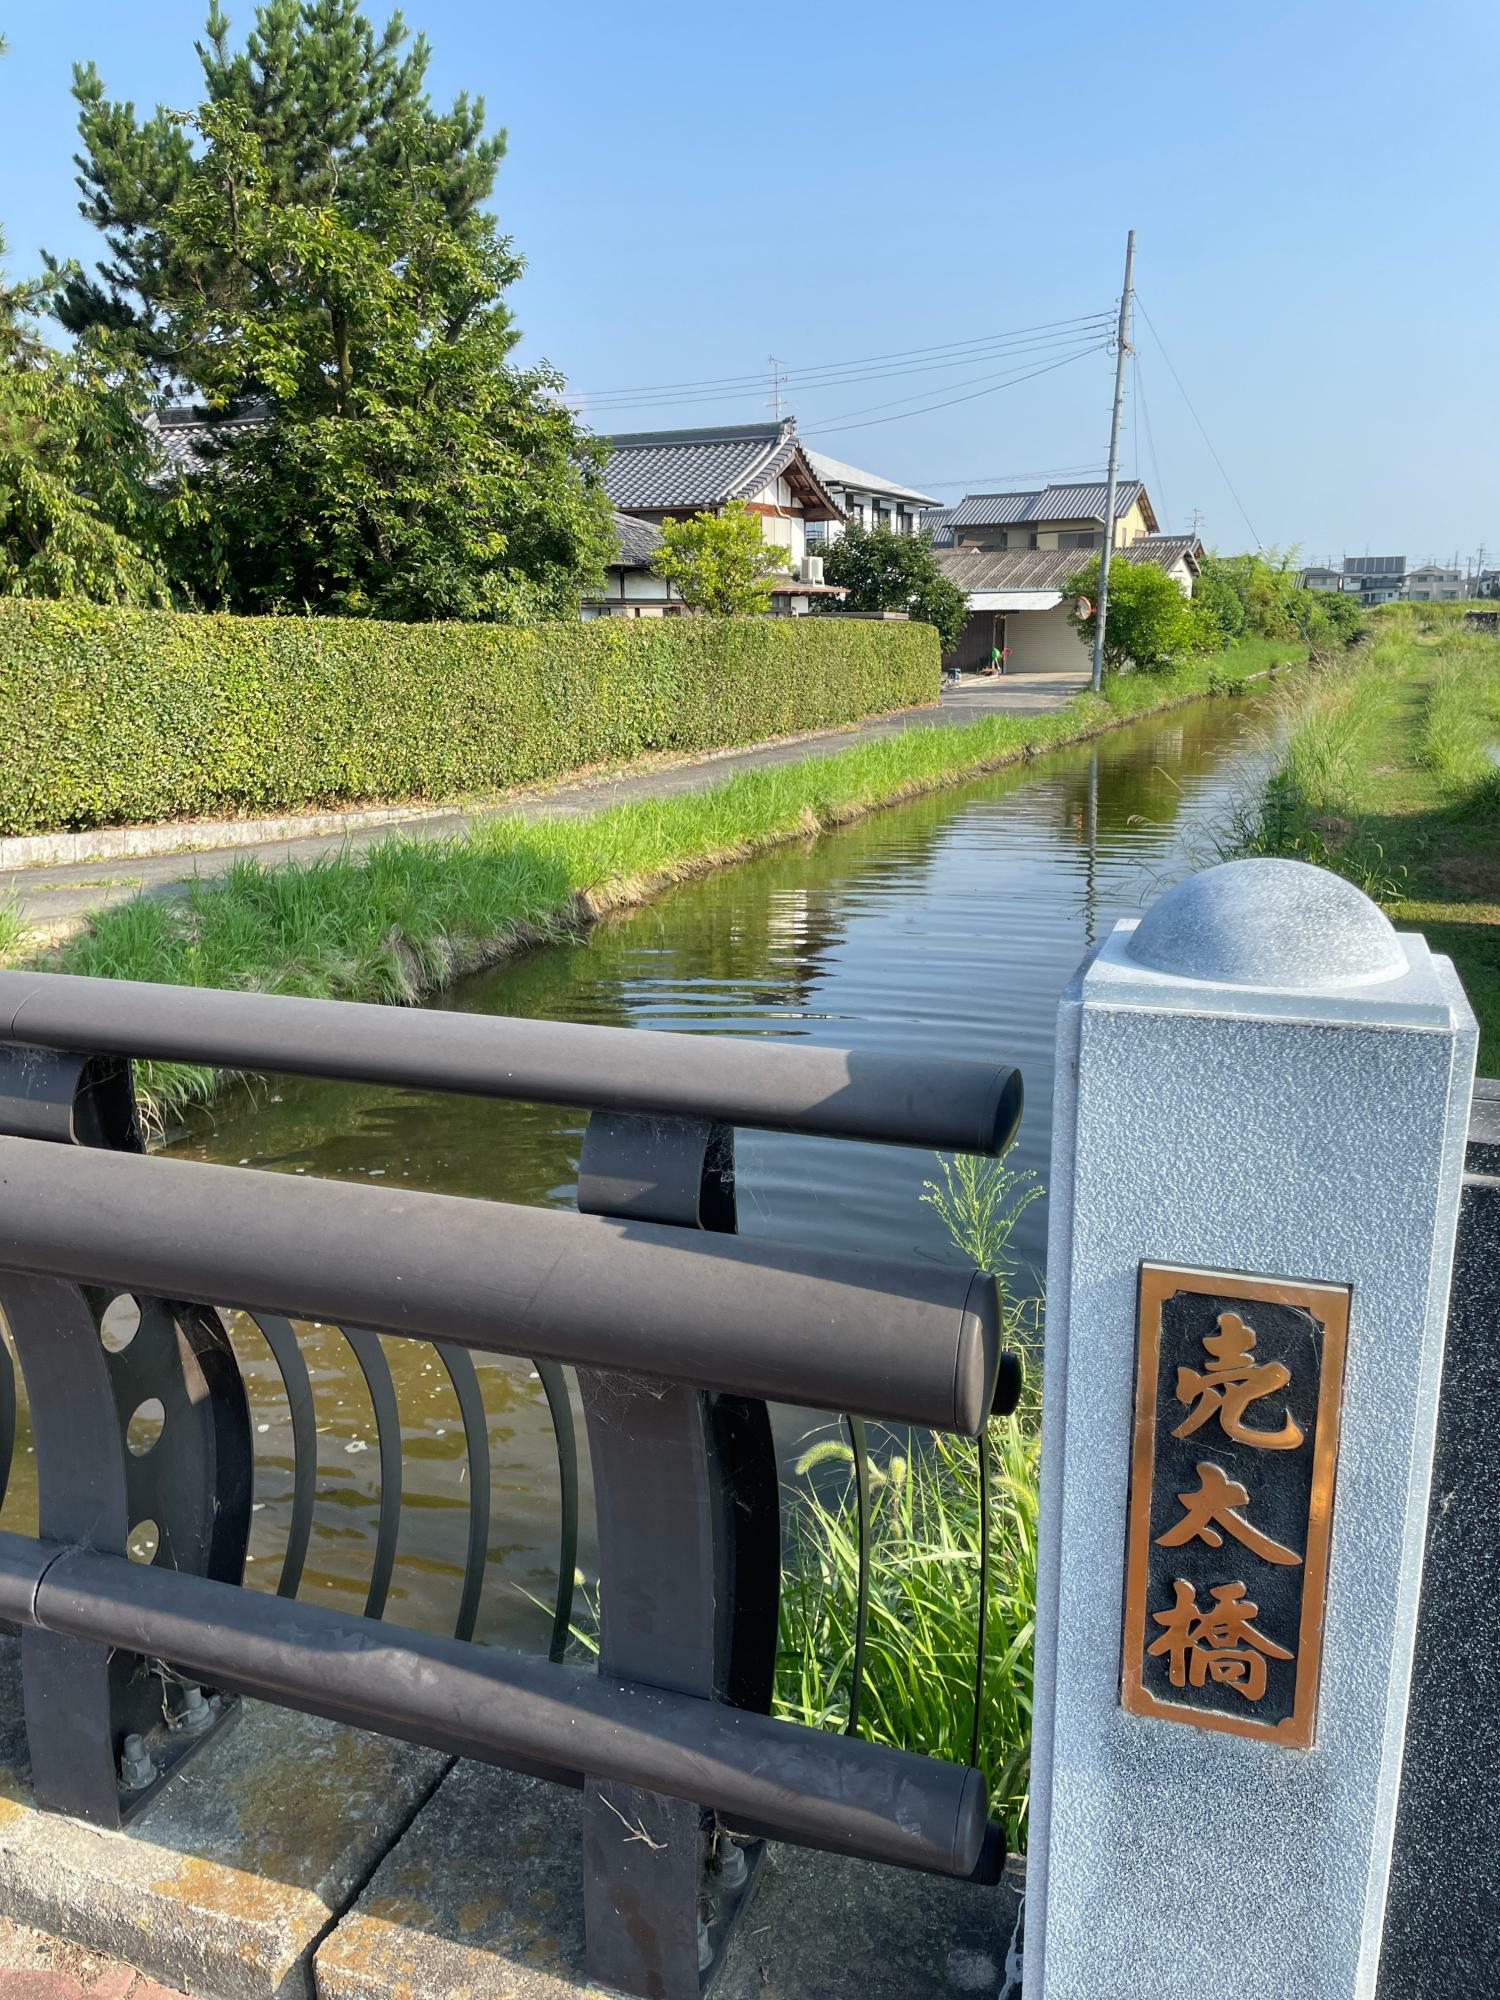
{"x": 1260, "y": 546}
{"x": 979, "y": 381}
{"x": 1161, "y": 348}
{"x": 1145, "y": 417}
{"x": 977, "y": 482}
{"x": 859, "y": 378}
{"x": 758, "y": 378}
{"x": 835, "y": 424}
{"x": 698, "y": 398}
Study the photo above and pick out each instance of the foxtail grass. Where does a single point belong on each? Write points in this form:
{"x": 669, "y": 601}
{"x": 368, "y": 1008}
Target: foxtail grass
{"x": 926, "y": 1526}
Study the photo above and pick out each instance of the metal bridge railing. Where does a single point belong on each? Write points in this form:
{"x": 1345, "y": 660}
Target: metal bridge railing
{"x": 679, "y": 1333}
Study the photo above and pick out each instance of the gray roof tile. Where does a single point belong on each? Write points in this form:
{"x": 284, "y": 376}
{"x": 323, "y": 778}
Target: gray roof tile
{"x": 834, "y": 472}
{"x": 1042, "y": 569}
{"x": 635, "y": 542}
{"x": 1046, "y": 503}
{"x": 1011, "y": 569}
{"x": 651, "y": 470}
{"x": 1165, "y": 549}
{"x": 178, "y": 437}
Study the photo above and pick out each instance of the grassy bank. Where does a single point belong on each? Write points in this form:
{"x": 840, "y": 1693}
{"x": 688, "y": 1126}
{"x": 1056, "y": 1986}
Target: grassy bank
{"x": 1390, "y": 777}
{"x": 400, "y": 921}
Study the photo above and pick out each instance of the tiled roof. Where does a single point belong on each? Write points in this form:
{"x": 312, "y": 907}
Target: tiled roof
{"x": 1042, "y": 569}
{"x": 1165, "y": 549}
{"x": 938, "y": 522}
{"x": 178, "y": 436}
{"x": 635, "y": 542}
{"x": 1011, "y": 569}
{"x": 651, "y": 470}
{"x": 1046, "y": 503}
{"x": 834, "y": 472}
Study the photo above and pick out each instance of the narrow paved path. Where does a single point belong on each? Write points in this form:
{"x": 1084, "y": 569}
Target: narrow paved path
{"x": 60, "y": 896}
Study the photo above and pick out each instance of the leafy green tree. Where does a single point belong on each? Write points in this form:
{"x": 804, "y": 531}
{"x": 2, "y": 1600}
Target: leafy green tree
{"x": 884, "y": 571}
{"x": 720, "y": 563}
{"x": 309, "y": 248}
{"x": 72, "y": 463}
{"x": 1149, "y": 624}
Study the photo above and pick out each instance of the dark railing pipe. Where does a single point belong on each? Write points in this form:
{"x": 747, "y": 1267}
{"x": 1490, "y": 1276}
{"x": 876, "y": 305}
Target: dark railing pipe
{"x": 933, "y": 1101}
{"x": 830, "y": 1791}
{"x": 906, "y": 1342}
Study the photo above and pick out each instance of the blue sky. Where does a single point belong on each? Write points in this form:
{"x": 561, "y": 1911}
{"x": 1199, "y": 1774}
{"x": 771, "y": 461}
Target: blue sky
{"x": 697, "y": 187}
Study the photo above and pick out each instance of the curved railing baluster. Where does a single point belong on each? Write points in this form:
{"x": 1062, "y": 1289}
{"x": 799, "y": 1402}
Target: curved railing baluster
{"x": 560, "y": 1405}
{"x": 982, "y": 1448}
{"x": 859, "y": 1446}
{"x": 465, "y": 1379}
{"x": 286, "y": 1351}
{"x": 7, "y": 1418}
{"x": 376, "y": 1370}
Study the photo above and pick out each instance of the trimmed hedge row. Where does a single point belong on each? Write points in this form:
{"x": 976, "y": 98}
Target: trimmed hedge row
{"x": 111, "y": 717}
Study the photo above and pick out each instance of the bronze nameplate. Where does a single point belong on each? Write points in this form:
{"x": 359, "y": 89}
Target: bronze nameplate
{"x": 1238, "y": 1390}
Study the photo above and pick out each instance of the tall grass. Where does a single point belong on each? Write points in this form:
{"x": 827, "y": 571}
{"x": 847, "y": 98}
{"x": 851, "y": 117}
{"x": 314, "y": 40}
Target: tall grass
{"x": 925, "y": 1530}
{"x": 1461, "y": 712}
{"x": 13, "y": 932}
{"x": 1310, "y": 808}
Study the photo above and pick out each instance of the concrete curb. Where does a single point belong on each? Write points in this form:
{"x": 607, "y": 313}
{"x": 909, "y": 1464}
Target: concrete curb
{"x": 124, "y": 843}
{"x": 482, "y": 1897}
{"x": 226, "y": 1886}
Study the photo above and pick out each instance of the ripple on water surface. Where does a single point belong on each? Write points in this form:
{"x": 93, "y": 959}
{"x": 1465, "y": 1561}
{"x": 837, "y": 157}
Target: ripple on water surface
{"x": 949, "y": 925}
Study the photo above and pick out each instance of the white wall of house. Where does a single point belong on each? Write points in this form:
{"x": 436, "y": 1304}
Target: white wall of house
{"x": 868, "y": 509}
{"x": 1431, "y": 583}
{"x": 781, "y": 519}
{"x": 1043, "y": 642}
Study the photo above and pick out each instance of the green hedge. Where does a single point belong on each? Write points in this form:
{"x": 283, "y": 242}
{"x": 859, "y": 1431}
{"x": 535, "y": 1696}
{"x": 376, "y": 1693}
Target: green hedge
{"x": 111, "y": 717}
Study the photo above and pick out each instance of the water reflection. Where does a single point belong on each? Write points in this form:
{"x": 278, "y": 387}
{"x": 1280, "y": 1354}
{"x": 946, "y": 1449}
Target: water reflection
{"x": 947, "y": 925}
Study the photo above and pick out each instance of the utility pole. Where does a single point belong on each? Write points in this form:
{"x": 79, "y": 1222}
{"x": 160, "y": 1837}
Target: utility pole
{"x": 1122, "y": 348}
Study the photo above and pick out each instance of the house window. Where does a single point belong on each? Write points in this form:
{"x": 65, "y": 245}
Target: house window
{"x": 1073, "y": 538}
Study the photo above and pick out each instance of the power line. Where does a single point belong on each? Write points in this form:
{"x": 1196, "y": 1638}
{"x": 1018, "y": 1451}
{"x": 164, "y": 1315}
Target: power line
{"x": 859, "y": 361}
{"x": 812, "y": 380}
{"x": 1031, "y": 376}
{"x": 973, "y": 381}
{"x": 1145, "y": 418}
{"x": 1161, "y": 347}
{"x": 977, "y": 481}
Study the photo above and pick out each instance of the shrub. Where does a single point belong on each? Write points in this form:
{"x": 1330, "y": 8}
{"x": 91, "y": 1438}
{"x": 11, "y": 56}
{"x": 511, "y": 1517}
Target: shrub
{"x": 115, "y": 717}
{"x": 1150, "y": 624}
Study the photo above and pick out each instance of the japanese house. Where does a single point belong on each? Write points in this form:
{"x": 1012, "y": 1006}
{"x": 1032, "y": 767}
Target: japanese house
{"x": 1014, "y": 553}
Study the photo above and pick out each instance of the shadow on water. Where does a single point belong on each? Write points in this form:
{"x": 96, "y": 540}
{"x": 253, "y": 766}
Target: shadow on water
{"x": 950, "y": 925}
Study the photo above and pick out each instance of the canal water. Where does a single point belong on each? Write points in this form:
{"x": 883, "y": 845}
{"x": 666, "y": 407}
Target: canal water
{"x": 949, "y": 925}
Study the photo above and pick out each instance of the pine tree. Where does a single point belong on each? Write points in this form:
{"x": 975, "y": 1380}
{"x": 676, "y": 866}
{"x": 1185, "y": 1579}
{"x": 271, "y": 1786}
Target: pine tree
{"x": 309, "y": 245}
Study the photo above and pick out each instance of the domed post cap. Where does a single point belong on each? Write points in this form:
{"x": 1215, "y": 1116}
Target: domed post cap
{"x": 1268, "y": 923}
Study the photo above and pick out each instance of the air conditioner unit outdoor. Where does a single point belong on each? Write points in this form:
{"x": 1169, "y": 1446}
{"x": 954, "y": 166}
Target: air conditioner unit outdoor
{"x": 812, "y": 569}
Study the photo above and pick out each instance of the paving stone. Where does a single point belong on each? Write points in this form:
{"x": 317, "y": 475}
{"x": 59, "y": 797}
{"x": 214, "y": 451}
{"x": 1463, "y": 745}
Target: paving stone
{"x": 482, "y": 1898}
{"x": 224, "y": 1886}
{"x": 34, "y": 1966}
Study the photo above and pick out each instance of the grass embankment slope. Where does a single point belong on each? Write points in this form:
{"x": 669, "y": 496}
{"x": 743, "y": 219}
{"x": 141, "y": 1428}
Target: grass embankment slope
{"x": 1391, "y": 777}
{"x": 400, "y": 921}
